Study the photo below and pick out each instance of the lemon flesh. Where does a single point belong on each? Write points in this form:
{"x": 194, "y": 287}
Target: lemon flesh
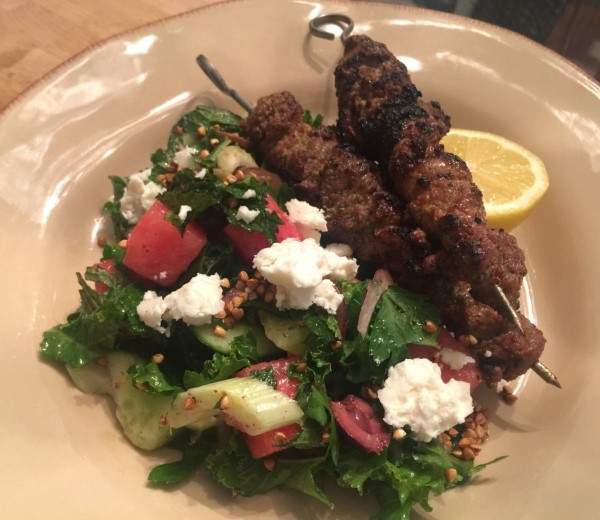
{"x": 512, "y": 179}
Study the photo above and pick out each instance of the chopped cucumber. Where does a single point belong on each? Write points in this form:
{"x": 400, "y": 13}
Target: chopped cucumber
{"x": 232, "y": 157}
{"x": 91, "y": 378}
{"x": 138, "y": 412}
{"x": 204, "y": 423}
{"x": 206, "y": 335}
{"x": 287, "y": 334}
{"x": 247, "y": 404}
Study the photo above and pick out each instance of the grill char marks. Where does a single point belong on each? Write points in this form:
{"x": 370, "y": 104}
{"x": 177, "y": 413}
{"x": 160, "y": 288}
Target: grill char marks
{"x": 361, "y": 209}
{"x": 382, "y": 115}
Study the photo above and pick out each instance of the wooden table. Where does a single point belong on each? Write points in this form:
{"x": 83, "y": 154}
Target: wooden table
{"x": 38, "y": 35}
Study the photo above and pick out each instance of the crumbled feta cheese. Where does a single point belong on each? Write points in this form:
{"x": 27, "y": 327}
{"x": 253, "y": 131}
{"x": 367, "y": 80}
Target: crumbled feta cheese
{"x": 246, "y": 214}
{"x": 415, "y": 395}
{"x": 339, "y": 249}
{"x": 248, "y": 194}
{"x": 487, "y": 353}
{"x": 140, "y": 193}
{"x": 151, "y": 309}
{"x": 183, "y": 211}
{"x": 455, "y": 359}
{"x": 185, "y": 158}
{"x": 303, "y": 272}
{"x": 201, "y": 174}
{"x": 309, "y": 220}
{"x": 197, "y": 301}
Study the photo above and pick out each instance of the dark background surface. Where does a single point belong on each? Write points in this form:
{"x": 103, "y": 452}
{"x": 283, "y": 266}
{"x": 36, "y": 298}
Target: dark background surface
{"x": 569, "y": 27}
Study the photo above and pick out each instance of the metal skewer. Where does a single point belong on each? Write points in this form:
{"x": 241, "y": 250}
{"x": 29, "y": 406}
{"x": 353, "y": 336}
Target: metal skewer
{"x": 346, "y": 23}
{"x": 341, "y": 20}
{"x": 538, "y": 367}
{"x": 215, "y": 76}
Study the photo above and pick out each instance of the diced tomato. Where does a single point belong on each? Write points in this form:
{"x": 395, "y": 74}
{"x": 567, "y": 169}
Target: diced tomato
{"x": 287, "y": 229}
{"x": 248, "y": 243}
{"x": 469, "y": 373}
{"x": 360, "y": 422}
{"x": 109, "y": 267}
{"x": 157, "y": 251}
{"x": 270, "y": 442}
{"x": 280, "y": 368}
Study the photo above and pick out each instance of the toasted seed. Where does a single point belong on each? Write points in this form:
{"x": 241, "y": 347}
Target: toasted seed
{"x": 279, "y": 438}
{"x": 453, "y": 432}
{"x": 219, "y": 331}
{"x": 301, "y": 367}
{"x": 204, "y": 154}
{"x": 122, "y": 243}
{"x": 457, "y": 453}
{"x": 325, "y": 437}
{"x": 158, "y": 358}
{"x": 201, "y": 131}
{"x": 470, "y": 433}
{"x": 269, "y": 463}
{"x": 189, "y": 403}
{"x": 398, "y": 434}
{"x": 225, "y": 283}
{"x": 465, "y": 441}
{"x": 237, "y": 313}
{"x": 429, "y": 326}
{"x": 336, "y": 345}
{"x": 225, "y": 402}
{"x": 468, "y": 453}
{"x": 450, "y": 474}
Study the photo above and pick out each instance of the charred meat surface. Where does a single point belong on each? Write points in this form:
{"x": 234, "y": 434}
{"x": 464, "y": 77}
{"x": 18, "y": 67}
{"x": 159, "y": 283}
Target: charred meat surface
{"x": 360, "y": 209}
{"x": 381, "y": 115}
{"x": 410, "y": 206}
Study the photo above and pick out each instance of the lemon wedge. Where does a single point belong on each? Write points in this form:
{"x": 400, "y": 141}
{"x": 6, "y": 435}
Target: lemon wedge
{"x": 512, "y": 179}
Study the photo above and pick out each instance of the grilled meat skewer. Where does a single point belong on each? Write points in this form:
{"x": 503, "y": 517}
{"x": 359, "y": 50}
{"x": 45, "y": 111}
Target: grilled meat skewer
{"x": 361, "y": 212}
{"x": 382, "y": 115}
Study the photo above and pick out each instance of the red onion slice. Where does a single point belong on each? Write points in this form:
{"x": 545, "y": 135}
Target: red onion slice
{"x": 382, "y": 279}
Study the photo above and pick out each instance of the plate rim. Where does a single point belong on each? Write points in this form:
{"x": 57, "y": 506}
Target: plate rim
{"x": 55, "y": 71}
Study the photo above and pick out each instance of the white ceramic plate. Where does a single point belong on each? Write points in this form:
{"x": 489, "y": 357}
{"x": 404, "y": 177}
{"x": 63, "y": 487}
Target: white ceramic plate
{"x": 105, "y": 111}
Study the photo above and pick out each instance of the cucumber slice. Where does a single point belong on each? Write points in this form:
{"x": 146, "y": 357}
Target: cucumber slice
{"x": 138, "y": 412}
{"x": 91, "y": 378}
{"x": 288, "y": 335}
{"x": 264, "y": 346}
{"x": 253, "y": 407}
{"x": 204, "y": 423}
{"x": 232, "y": 157}
{"x": 206, "y": 335}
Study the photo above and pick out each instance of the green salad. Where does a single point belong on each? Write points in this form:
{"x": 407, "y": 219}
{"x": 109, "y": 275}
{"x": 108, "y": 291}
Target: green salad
{"x": 214, "y": 331}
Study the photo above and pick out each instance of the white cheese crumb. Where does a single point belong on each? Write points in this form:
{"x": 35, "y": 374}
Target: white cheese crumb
{"x": 140, "y": 193}
{"x": 151, "y": 309}
{"x": 248, "y": 194}
{"x": 246, "y": 214}
{"x": 454, "y": 359}
{"x": 197, "y": 301}
{"x": 183, "y": 211}
{"x": 339, "y": 249}
{"x": 201, "y": 174}
{"x": 304, "y": 273}
{"x": 415, "y": 395}
{"x": 185, "y": 158}
{"x": 487, "y": 353}
{"x": 308, "y": 219}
